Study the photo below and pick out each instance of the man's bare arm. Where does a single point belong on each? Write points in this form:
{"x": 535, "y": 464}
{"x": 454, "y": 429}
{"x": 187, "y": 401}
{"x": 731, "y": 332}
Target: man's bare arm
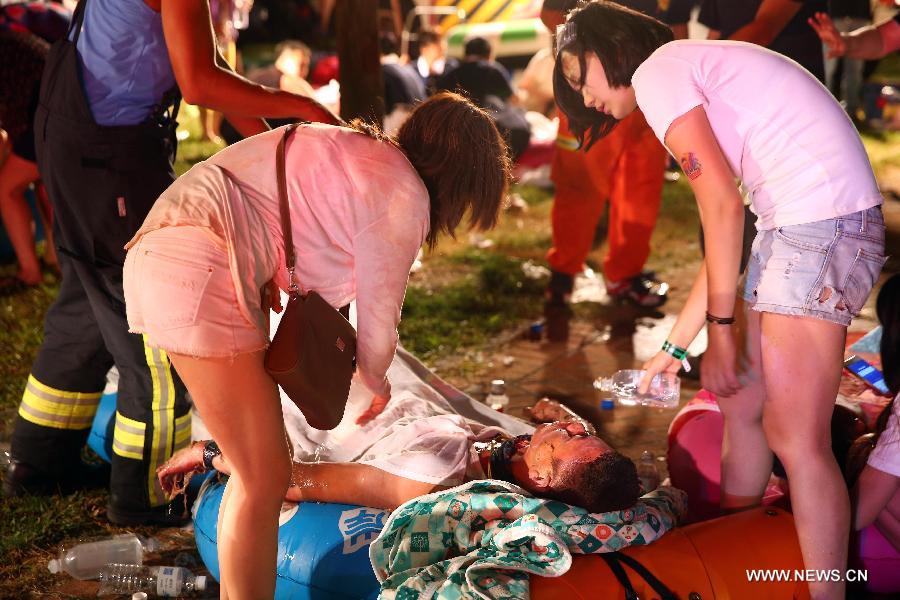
{"x": 771, "y": 18}
{"x": 353, "y": 483}
{"x": 347, "y": 483}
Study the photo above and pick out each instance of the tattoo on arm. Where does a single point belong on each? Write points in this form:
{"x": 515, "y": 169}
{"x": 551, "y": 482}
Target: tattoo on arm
{"x": 691, "y": 166}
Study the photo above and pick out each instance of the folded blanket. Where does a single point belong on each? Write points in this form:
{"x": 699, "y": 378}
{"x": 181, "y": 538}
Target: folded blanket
{"x": 483, "y": 538}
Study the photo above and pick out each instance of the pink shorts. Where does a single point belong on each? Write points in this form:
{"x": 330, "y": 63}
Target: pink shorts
{"x": 180, "y": 293}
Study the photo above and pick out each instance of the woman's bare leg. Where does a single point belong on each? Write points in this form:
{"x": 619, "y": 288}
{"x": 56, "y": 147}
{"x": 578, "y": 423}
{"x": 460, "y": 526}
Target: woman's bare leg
{"x": 801, "y": 360}
{"x": 46, "y": 211}
{"x": 239, "y": 404}
{"x": 16, "y": 174}
{"x": 746, "y": 458}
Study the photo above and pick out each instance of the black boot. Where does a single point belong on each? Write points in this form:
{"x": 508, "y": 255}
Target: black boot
{"x": 46, "y": 461}
{"x": 23, "y": 479}
{"x": 557, "y": 312}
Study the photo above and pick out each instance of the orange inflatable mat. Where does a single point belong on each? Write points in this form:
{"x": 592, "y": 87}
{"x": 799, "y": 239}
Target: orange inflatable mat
{"x": 702, "y": 561}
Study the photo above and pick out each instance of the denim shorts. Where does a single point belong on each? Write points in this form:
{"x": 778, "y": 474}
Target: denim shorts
{"x": 179, "y": 293}
{"x": 823, "y": 269}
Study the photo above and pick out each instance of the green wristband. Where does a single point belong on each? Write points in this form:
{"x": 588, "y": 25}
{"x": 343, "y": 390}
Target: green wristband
{"x": 678, "y": 352}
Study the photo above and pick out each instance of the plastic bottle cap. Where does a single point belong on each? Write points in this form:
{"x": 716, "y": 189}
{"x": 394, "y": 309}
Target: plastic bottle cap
{"x": 53, "y": 565}
{"x": 607, "y": 404}
{"x": 139, "y": 596}
{"x": 200, "y": 583}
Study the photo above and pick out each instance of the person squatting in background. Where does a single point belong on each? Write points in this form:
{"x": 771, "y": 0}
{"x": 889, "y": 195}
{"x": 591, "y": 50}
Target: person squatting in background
{"x": 875, "y": 496}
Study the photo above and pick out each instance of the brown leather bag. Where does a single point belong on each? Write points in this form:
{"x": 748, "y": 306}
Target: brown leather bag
{"x": 313, "y": 354}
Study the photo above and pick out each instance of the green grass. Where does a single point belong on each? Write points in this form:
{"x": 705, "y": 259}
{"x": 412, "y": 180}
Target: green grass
{"x": 21, "y": 324}
{"x": 495, "y": 295}
{"x": 31, "y": 529}
{"x": 888, "y": 70}
{"x": 191, "y": 149}
{"x": 883, "y": 148}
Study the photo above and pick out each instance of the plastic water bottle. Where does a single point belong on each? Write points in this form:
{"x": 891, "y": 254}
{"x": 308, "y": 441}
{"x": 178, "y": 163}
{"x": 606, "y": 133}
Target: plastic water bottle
{"x": 497, "y": 398}
{"x": 648, "y": 472}
{"x": 664, "y": 391}
{"x": 163, "y": 582}
{"x": 86, "y": 560}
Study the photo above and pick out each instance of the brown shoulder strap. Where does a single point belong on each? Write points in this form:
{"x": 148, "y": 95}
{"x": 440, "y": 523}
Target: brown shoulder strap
{"x": 284, "y": 204}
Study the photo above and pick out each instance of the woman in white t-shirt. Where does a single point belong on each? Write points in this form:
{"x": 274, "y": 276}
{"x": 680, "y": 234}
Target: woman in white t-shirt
{"x": 727, "y": 111}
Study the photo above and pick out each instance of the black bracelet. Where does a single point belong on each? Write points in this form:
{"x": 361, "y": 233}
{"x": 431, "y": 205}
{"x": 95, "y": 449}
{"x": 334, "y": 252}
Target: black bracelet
{"x": 210, "y": 451}
{"x": 719, "y": 320}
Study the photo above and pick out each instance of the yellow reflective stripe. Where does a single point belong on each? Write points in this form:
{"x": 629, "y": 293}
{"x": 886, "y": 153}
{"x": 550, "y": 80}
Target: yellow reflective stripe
{"x": 44, "y": 419}
{"x": 567, "y": 143}
{"x": 182, "y": 431}
{"x": 128, "y": 437}
{"x": 126, "y": 451}
{"x": 59, "y": 409}
{"x": 163, "y": 410}
{"x": 46, "y": 389}
{"x": 49, "y": 407}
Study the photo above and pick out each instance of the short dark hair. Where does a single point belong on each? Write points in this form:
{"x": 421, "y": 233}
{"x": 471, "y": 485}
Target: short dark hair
{"x": 622, "y": 39}
{"x": 477, "y": 46}
{"x": 887, "y": 307}
{"x": 462, "y": 158}
{"x": 428, "y": 37}
{"x": 387, "y": 44}
{"x": 609, "y": 482}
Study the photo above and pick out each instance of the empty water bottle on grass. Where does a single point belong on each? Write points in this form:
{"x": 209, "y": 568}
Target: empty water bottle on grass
{"x": 664, "y": 391}
{"x": 162, "y": 582}
{"x": 87, "y": 559}
{"x": 497, "y": 398}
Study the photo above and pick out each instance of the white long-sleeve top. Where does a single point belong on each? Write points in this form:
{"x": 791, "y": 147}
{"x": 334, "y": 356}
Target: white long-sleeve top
{"x": 359, "y": 214}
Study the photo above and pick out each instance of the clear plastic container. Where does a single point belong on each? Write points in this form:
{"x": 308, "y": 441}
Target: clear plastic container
{"x": 85, "y": 560}
{"x": 156, "y": 582}
{"x": 648, "y": 472}
{"x": 497, "y": 398}
{"x": 664, "y": 392}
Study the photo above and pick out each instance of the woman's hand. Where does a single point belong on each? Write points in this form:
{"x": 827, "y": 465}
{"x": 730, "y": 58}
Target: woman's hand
{"x": 546, "y": 410}
{"x": 174, "y": 474}
{"x": 829, "y": 34}
{"x": 718, "y": 372}
{"x": 375, "y": 409}
{"x": 663, "y": 362}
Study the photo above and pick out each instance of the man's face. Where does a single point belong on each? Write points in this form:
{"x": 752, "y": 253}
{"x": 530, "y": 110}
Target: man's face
{"x": 596, "y": 92}
{"x": 555, "y": 448}
{"x": 432, "y": 52}
{"x": 293, "y": 62}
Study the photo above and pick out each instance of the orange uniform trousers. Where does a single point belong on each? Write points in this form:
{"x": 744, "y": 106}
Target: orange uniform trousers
{"x": 626, "y": 167}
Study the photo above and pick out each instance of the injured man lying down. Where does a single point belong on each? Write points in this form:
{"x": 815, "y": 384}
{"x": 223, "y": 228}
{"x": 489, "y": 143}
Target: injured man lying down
{"x": 431, "y": 437}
